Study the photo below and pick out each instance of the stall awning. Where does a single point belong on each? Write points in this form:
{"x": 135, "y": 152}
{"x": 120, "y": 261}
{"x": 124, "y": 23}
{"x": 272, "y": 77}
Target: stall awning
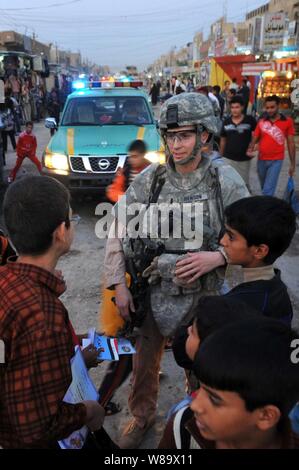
{"x": 284, "y": 66}
{"x": 256, "y": 68}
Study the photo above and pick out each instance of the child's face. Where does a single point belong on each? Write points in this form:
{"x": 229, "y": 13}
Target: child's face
{"x": 136, "y": 159}
{"x": 222, "y": 417}
{"x": 193, "y": 341}
{"x": 237, "y": 250}
{"x": 29, "y": 129}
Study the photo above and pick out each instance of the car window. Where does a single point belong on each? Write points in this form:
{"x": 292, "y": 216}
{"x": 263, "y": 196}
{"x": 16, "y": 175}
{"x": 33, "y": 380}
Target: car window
{"x": 101, "y": 111}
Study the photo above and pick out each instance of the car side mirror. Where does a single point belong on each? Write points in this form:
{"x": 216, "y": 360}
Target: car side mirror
{"x": 50, "y": 123}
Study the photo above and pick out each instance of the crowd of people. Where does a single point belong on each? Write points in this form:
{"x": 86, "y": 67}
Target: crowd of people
{"x": 24, "y": 102}
{"x": 234, "y": 343}
{"x": 241, "y": 135}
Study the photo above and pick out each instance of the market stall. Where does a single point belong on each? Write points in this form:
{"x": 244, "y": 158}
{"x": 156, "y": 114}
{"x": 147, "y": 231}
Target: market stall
{"x": 273, "y": 78}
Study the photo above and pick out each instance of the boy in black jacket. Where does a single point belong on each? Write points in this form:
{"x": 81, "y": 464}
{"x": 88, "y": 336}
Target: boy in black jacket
{"x": 258, "y": 230}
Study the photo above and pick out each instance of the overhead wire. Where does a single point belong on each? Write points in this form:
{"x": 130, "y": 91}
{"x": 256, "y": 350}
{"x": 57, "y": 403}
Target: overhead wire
{"x": 107, "y": 34}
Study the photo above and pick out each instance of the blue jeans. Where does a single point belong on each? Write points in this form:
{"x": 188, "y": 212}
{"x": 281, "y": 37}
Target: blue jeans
{"x": 268, "y": 171}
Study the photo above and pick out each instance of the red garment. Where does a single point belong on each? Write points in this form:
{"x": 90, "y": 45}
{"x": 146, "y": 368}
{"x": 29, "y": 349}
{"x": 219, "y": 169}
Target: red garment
{"x": 118, "y": 186}
{"x": 272, "y": 137}
{"x": 26, "y": 145}
{"x": 37, "y": 334}
{"x": 19, "y": 162}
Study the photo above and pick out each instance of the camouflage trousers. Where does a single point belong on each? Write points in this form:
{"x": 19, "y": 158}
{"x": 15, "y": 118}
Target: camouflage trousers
{"x": 150, "y": 346}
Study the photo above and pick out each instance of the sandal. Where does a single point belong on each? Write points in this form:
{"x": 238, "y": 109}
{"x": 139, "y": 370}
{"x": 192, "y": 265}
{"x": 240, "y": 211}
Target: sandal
{"x": 112, "y": 408}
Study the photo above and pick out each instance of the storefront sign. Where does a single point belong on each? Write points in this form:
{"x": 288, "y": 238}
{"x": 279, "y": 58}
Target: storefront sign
{"x": 219, "y": 48}
{"x": 274, "y": 31}
{"x": 292, "y": 29}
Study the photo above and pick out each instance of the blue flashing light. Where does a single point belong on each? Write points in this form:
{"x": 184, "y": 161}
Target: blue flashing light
{"x": 78, "y": 85}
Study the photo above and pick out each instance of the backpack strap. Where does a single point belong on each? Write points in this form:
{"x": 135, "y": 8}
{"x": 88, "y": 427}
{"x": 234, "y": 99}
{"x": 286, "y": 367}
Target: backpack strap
{"x": 214, "y": 171}
{"x": 158, "y": 182}
{"x": 181, "y": 435}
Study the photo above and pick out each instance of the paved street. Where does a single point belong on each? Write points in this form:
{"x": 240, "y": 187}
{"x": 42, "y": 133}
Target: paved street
{"x": 82, "y": 269}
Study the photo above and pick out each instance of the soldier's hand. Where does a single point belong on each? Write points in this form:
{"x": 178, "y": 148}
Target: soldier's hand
{"x": 195, "y": 265}
{"x": 124, "y": 301}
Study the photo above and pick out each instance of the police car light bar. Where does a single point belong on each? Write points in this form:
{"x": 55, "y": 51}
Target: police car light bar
{"x": 81, "y": 84}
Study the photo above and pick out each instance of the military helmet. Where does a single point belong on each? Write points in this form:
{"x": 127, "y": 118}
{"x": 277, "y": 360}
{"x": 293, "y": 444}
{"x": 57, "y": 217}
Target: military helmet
{"x": 188, "y": 109}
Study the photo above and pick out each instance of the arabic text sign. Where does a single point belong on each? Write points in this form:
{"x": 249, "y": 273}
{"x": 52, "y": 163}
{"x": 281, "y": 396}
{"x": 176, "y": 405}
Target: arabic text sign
{"x": 274, "y": 31}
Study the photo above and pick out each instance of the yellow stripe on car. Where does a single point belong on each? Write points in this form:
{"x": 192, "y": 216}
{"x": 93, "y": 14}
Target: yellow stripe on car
{"x": 140, "y": 133}
{"x": 70, "y": 141}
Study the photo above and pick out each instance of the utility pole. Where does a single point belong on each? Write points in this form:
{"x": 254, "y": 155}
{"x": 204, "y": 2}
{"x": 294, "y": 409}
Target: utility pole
{"x": 224, "y": 10}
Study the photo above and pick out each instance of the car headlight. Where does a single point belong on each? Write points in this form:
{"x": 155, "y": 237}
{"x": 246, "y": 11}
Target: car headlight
{"x": 155, "y": 157}
{"x": 57, "y": 161}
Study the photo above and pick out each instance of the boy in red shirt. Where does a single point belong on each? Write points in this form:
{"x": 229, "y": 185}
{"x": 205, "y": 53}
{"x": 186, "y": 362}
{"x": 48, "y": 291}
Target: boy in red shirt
{"x": 271, "y": 133}
{"x": 125, "y": 176}
{"x": 26, "y": 147}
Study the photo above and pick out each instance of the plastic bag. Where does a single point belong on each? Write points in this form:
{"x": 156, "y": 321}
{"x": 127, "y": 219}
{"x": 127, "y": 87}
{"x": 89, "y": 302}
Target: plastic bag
{"x": 290, "y": 195}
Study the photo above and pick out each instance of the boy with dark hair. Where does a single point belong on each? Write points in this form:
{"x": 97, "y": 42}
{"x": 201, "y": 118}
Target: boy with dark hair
{"x": 26, "y": 148}
{"x": 211, "y": 313}
{"x": 236, "y": 136}
{"x": 135, "y": 164}
{"x": 258, "y": 230}
{"x": 248, "y": 386}
{"x": 35, "y": 327}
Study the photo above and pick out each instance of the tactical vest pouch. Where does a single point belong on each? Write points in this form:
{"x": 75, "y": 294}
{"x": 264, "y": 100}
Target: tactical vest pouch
{"x": 169, "y": 310}
{"x": 168, "y": 286}
{"x": 166, "y": 268}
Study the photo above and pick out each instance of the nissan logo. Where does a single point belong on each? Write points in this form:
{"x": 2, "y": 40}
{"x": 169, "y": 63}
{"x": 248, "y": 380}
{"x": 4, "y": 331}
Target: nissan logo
{"x": 104, "y": 164}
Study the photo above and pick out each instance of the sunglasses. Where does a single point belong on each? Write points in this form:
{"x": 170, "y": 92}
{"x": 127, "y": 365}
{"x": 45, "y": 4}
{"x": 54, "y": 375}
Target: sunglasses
{"x": 182, "y": 136}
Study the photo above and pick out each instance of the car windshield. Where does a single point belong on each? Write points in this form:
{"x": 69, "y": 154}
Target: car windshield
{"x": 102, "y": 111}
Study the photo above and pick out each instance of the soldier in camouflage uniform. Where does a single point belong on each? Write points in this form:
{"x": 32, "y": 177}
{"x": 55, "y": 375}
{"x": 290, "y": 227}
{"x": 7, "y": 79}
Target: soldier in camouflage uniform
{"x": 189, "y": 266}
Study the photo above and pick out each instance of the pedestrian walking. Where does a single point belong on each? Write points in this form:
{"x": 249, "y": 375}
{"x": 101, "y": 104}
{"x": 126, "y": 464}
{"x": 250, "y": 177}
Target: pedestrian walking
{"x": 244, "y": 91}
{"x": 54, "y": 107}
{"x": 221, "y": 101}
{"x": 9, "y": 129}
{"x": 25, "y": 101}
{"x": 234, "y": 84}
{"x": 236, "y": 136}
{"x": 271, "y": 133}
{"x": 154, "y": 93}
